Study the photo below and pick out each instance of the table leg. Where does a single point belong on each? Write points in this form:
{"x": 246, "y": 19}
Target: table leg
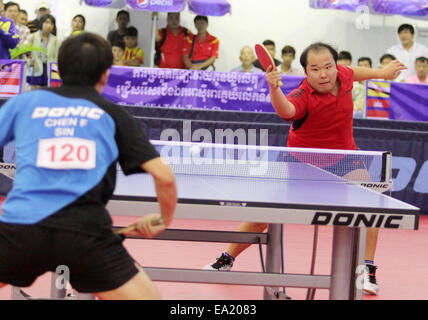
{"x": 273, "y": 255}
{"x": 341, "y": 264}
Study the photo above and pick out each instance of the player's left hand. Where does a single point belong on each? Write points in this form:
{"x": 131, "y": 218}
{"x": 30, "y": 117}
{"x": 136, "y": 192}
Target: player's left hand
{"x": 393, "y": 69}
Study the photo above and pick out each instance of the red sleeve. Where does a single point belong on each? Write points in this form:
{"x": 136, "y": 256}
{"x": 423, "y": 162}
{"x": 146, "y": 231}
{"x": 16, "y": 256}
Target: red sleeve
{"x": 215, "y": 48}
{"x": 299, "y": 98}
{"x": 187, "y": 44}
{"x": 346, "y": 76}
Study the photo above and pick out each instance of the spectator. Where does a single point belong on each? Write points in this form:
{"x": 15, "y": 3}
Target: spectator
{"x": 22, "y": 17}
{"x": 170, "y": 42}
{"x": 12, "y": 10}
{"x": 359, "y": 90}
{"x": 42, "y": 10}
{"x": 421, "y": 67}
{"x": 344, "y": 58}
{"x": 9, "y": 37}
{"x": 270, "y": 46}
{"x": 288, "y": 54}
{"x": 385, "y": 60}
{"x": 118, "y": 49}
{"x": 247, "y": 57}
{"x": 408, "y": 50}
{"x": 365, "y": 62}
{"x": 134, "y": 55}
{"x": 78, "y": 24}
{"x": 200, "y": 51}
{"x": 122, "y": 20}
{"x": 40, "y": 61}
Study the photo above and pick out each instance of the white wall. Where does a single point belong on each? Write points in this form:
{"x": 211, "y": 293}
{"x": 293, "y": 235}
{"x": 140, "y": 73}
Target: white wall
{"x": 289, "y": 22}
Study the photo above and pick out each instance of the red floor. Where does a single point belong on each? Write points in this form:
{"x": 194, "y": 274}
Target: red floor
{"x": 402, "y": 258}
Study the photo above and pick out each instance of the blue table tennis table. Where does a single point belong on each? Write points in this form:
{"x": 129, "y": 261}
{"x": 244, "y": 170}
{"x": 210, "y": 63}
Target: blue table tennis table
{"x": 274, "y": 194}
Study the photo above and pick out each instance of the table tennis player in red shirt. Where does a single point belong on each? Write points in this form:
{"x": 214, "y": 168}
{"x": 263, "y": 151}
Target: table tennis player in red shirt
{"x": 321, "y": 109}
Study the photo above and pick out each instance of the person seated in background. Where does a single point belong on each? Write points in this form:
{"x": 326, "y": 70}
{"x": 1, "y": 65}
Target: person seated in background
{"x": 407, "y": 50}
{"x": 288, "y": 54}
{"x": 344, "y": 58}
{"x": 385, "y": 59}
{"x": 359, "y": 90}
{"x": 270, "y": 46}
{"x": 421, "y": 67}
{"x": 200, "y": 51}
{"x": 247, "y": 57}
{"x": 170, "y": 42}
{"x": 118, "y": 49}
{"x": 134, "y": 55}
{"x": 11, "y": 11}
{"x": 42, "y": 9}
{"x": 9, "y": 37}
{"x": 78, "y": 24}
{"x": 122, "y": 20}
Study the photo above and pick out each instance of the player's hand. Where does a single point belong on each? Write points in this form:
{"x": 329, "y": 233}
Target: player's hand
{"x": 148, "y": 226}
{"x": 273, "y": 77}
{"x": 393, "y": 70}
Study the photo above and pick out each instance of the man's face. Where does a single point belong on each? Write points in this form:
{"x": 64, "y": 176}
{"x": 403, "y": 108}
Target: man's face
{"x": 287, "y": 58}
{"x": 406, "y": 37}
{"x": 421, "y": 68}
{"x": 77, "y": 24}
{"x": 42, "y": 12}
{"x": 201, "y": 25}
{"x": 271, "y": 49}
{"x": 385, "y": 62}
{"x": 122, "y": 21}
{"x": 22, "y": 18}
{"x": 364, "y": 64}
{"x": 321, "y": 70}
{"x": 247, "y": 56}
{"x": 173, "y": 20}
{"x": 130, "y": 41}
{"x": 344, "y": 62}
{"x": 117, "y": 53}
{"x": 12, "y": 13}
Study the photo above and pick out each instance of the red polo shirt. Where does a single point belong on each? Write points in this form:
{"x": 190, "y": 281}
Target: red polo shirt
{"x": 323, "y": 120}
{"x": 202, "y": 50}
{"x": 172, "y": 48}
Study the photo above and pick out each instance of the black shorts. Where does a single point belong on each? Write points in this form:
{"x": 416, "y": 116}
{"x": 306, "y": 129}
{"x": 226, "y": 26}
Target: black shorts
{"x": 95, "y": 264}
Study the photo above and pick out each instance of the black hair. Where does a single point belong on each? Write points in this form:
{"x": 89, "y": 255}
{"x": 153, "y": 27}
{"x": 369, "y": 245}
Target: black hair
{"x": 119, "y": 44}
{"x": 366, "y": 59}
{"x": 131, "y": 32}
{"x": 23, "y": 11}
{"x": 386, "y": 56}
{"x": 421, "y": 59}
{"x": 318, "y": 46}
{"x": 268, "y": 43}
{"x": 81, "y": 17}
{"x": 288, "y": 49}
{"x": 10, "y": 4}
{"x": 46, "y": 17}
{"x": 123, "y": 12}
{"x": 344, "y": 55}
{"x": 200, "y": 18}
{"x": 83, "y": 59}
{"x": 406, "y": 26}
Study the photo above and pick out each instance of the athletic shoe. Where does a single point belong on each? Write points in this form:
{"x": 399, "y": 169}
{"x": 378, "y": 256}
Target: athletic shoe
{"x": 224, "y": 263}
{"x": 370, "y": 284}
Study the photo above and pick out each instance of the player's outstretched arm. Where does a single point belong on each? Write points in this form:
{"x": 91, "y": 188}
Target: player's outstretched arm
{"x": 390, "y": 72}
{"x": 284, "y": 108}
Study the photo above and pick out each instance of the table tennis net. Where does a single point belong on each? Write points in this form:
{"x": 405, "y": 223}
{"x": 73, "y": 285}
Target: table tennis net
{"x": 272, "y": 162}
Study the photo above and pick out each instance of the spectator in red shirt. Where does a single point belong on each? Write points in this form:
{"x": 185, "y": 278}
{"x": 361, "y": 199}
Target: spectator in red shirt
{"x": 170, "y": 42}
{"x": 200, "y": 51}
{"x": 321, "y": 109}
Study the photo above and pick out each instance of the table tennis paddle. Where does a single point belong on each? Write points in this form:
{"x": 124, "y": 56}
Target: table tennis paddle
{"x": 265, "y": 58}
{"x": 156, "y": 222}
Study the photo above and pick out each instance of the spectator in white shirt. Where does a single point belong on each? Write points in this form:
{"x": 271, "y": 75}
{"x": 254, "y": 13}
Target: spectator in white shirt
{"x": 407, "y": 51}
{"x": 288, "y": 53}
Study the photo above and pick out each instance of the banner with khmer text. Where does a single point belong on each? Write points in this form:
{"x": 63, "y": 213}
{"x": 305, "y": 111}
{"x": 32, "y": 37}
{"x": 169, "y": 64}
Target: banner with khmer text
{"x": 189, "y": 89}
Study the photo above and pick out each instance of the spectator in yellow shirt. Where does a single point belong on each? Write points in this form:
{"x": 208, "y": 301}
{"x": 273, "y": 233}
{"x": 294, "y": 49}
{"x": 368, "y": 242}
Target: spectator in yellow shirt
{"x": 134, "y": 55}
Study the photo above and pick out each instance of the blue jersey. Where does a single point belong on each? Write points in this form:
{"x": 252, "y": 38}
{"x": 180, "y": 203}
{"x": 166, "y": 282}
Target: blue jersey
{"x": 68, "y": 140}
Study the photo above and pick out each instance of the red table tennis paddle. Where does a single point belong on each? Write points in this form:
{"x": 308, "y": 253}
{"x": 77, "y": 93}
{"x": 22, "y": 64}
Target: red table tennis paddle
{"x": 265, "y": 58}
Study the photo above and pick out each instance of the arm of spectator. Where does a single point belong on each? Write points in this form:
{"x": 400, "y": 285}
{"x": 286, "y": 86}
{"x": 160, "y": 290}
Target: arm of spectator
{"x": 390, "y": 72}
{"x": 158, "y": 36}
{"x": 187, "y": 63}
{"x": 8, "y": 34}
{"x": 206, "y": 63}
